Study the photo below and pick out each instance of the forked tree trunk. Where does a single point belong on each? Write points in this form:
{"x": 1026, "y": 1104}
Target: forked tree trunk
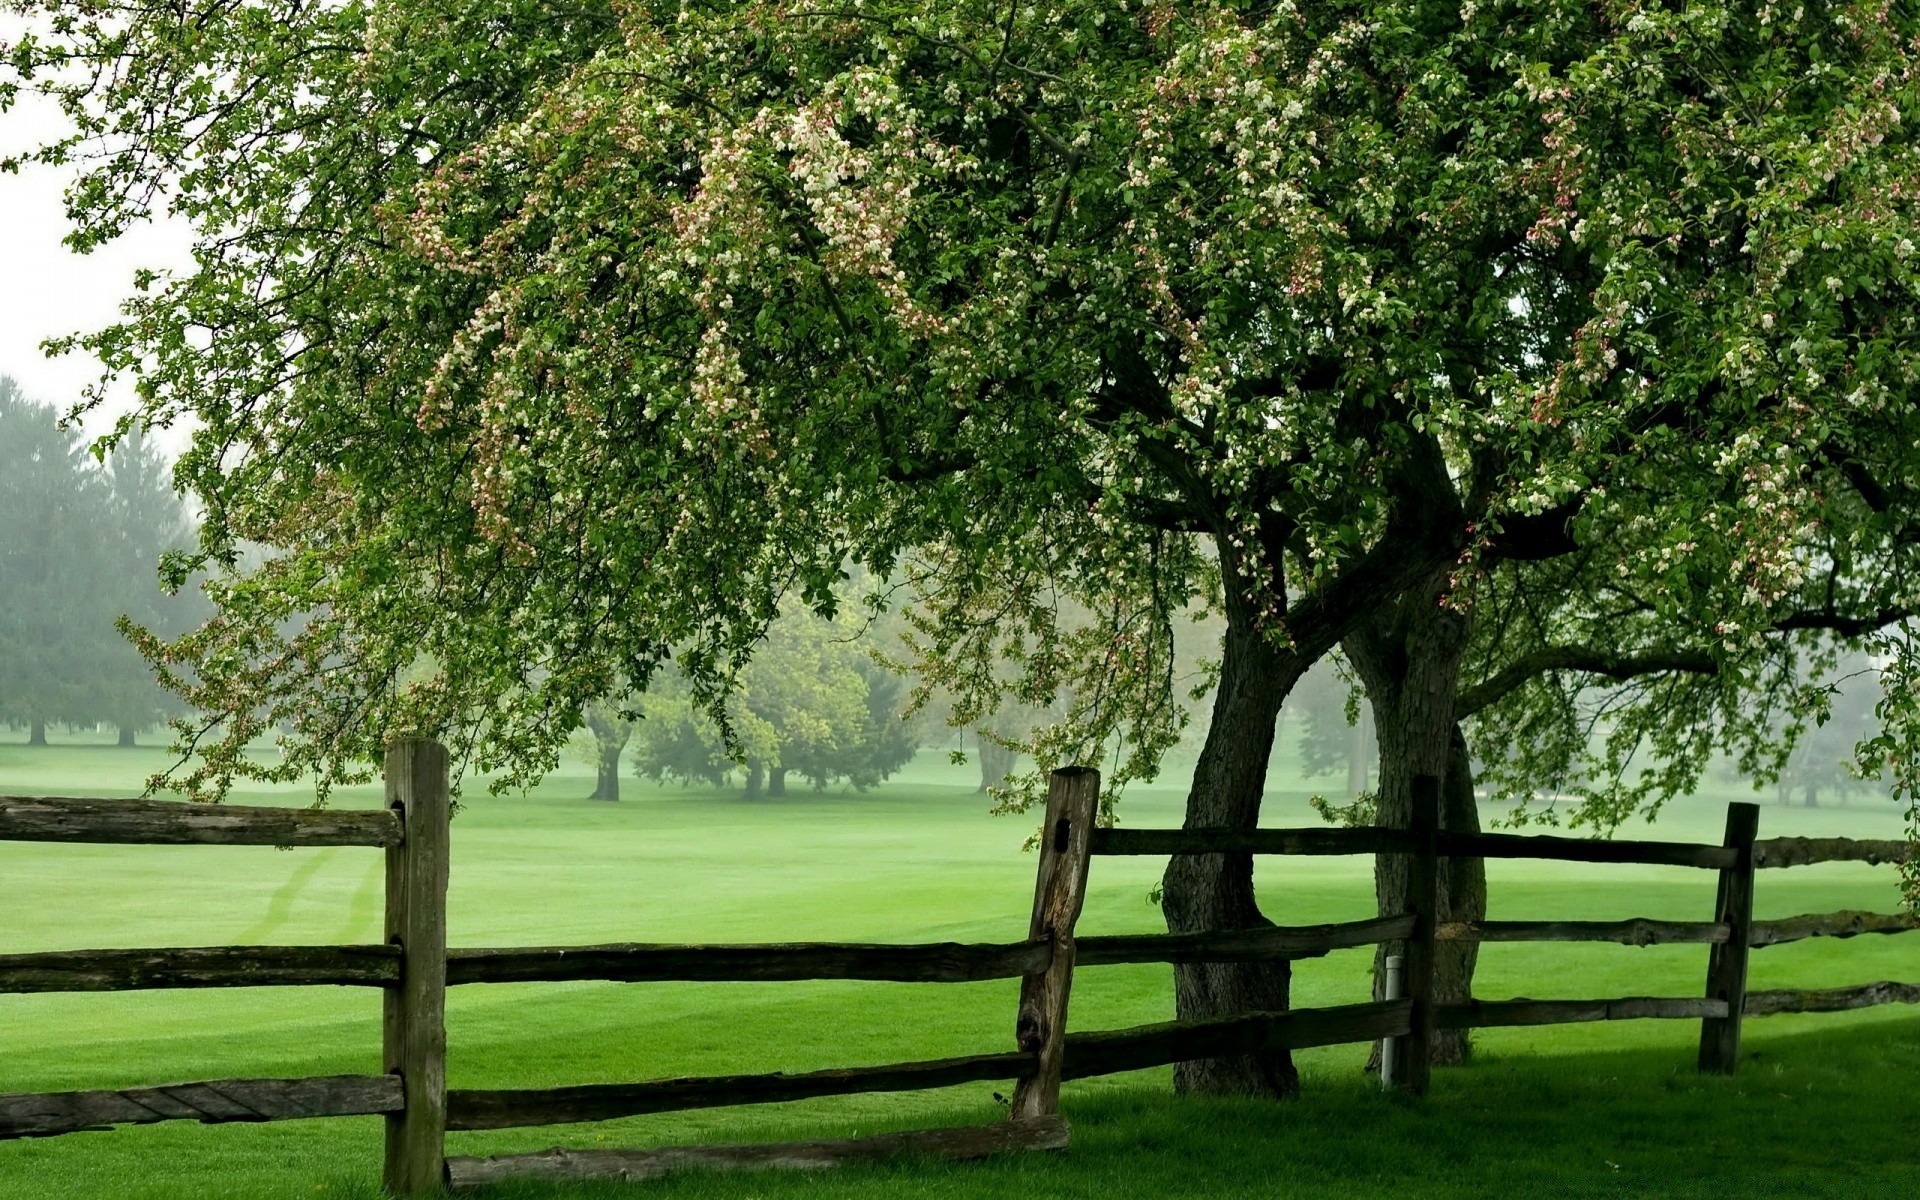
{"x": 37, "y": 733}
{"x": 1215, "y": 891}
{"x": 1408, "y": 656}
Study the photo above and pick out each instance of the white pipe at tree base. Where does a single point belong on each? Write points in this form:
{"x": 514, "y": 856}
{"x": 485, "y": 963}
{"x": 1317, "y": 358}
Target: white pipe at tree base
{"x": 1388, "y": 1046}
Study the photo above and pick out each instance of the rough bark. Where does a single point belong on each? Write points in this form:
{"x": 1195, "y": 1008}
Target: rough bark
{"x": 1214, "y": 892}
{"x": 1408, "y": 656}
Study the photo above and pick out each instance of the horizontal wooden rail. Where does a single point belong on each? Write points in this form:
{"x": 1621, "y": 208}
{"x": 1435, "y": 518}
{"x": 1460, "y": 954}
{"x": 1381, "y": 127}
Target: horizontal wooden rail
{"x": 632, "y": 1166}
{"x": 507, "y": 1109}
{"x": 1364, "y": 839}
{"x": 1834, "y": 925}
{"x": 1368, "y": 839}
{"x": 937, "y": 962}
{"x": 198, "y": 967}
{"x": 1590, "y": 850}
{"x": 1801, "y": 851}
{"x": 37, "y": 1114}
{"x": 181, "y": 823}
{"x": 1240, "y": 945}
{"x": 1491, "y": 1014}
{"x": 1635, "y": 931}
{"x": 1114, "y": 1050}
{"x": 1840, "y": 999}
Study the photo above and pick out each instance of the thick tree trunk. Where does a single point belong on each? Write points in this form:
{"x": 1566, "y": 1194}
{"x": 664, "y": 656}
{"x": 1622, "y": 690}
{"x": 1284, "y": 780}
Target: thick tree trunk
{"x": 756, "y": 778}
{"x": 37, "y": 733}
{"x": 1215, "y": 891}
{"x": 1408, "y": 656}
{"x": 126, "y": 737}
{"x": 777, "y": 781}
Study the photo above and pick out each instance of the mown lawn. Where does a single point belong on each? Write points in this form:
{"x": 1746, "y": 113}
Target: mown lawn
{"x": 1822, "y": 1107}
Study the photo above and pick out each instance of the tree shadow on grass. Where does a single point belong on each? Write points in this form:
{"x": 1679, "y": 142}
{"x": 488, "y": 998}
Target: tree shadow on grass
{"x": 1813, "y": 1113}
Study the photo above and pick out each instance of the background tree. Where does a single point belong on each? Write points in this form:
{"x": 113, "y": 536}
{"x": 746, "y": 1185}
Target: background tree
{"x": 611, "y": 730}
{"x": 813, "y": 702}
{"x": 52, "y": 629}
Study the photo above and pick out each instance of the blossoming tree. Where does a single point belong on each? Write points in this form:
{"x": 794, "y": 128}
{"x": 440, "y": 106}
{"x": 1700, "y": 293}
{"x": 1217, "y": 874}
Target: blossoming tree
{"x": 543, "y": 342}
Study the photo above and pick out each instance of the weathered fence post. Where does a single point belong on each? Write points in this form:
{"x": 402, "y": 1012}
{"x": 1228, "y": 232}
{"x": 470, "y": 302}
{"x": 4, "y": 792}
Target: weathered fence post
{"x": 414, "y": 1029}
{"x": 1073, "y": 800}
{"x": 1727, "y": 961}
{"x": 1414, "y": 1062}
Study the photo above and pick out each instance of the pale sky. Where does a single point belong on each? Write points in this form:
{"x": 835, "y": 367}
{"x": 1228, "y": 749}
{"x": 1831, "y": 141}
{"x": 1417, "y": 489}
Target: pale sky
{"x": 47, "y": 290}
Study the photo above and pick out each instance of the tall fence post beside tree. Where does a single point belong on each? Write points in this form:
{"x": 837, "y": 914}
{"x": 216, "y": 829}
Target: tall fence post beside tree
{"x": 1727, "y": 961}
{"x": 1073, "y": 801}
{"x": 414, "y": 1028}
{"x": 1414, "y": 1062}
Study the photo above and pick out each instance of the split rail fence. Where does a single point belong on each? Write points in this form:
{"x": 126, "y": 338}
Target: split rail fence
{"x": 415, "y": 967}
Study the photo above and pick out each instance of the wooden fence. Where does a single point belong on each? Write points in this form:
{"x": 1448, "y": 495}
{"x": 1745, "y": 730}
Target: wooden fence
{"x": 415, "y": 967}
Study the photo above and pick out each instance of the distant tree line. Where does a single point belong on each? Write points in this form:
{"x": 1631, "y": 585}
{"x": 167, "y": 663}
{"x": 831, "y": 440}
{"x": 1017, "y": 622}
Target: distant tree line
{"x": 80, "y": 547}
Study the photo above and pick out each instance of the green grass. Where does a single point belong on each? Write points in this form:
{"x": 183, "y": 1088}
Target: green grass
{"x": 1592, "y": 1110}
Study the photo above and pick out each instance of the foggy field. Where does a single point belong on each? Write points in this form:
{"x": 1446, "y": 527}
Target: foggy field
{"x": 919, "y": 860}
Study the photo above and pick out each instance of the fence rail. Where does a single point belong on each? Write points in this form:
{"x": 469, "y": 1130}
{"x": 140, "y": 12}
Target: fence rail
{"x": 169, "y": 823}
{"x": 415, "y": 968}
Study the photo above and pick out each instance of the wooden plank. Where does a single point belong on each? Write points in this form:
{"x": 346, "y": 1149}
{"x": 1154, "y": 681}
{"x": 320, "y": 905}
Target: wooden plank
{"x": 1413, "y": 1058}
{"x": 414, "y": 1025}
{"x": 1111, "y": 1051}
{"x": 1060, "y": 888}
{"x": 1636, "y": 931}
{"x": 198, "y": 967}
{"x": 40, "y": 1114}
{"x": 1590, "y": 850}
{"x": 508, "y": 1109}
{"x": 631, "y": 1166}
{"x": 1241, "y": 945}
{"x": 1801, "y": 851}
{"x": 935, "y": 962}
{"x": 1727, "y": 961}
{"x": 1840, "y": 999}
{"x": 181, "y": 823}
{"x": 1491, "y": 1014}
{"x": 1833, "y": 924}
{"x": 1364, "y": 839}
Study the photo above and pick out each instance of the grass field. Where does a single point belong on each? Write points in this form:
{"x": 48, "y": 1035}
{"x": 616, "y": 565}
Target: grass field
{"x": 1821, "y": 1108}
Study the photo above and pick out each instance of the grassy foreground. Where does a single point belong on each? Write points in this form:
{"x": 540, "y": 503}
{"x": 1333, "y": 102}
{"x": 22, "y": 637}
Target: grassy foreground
{"x": 1820, "y": 1108}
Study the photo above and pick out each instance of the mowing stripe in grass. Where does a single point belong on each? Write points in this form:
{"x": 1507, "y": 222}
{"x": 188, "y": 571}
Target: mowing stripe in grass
{"x": 280, "y": 906}
{"x": 365, "y": 908}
